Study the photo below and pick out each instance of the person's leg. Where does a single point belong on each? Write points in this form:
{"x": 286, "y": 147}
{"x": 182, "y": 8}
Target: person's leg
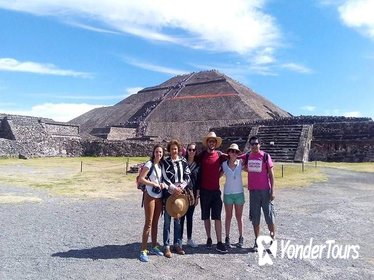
{"x": 216, "y": 214}
{"x": 156, "y": 217}
{"x": 177, "y": 232}
{"x": 189, "y": 217}
{"x": 269, "y": 213}
{"x": 218, "y": 228}
{"x": 205, "y": 199}
{"x": 177, "y": 240}
{"x": 228, "y": 211}
{"x": 207, "y": 228}
{"x": 271, "y": 228}
{"x": 166, "y": 235}
{"x": 239, "y": 217}
{"x": 149, "y": 207}
{"x": 182, "y": 225}
{"x": 255, "y": 213}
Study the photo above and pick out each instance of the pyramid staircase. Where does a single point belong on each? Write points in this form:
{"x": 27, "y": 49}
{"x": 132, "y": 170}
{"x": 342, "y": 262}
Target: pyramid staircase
{"x": 281, "y": 141}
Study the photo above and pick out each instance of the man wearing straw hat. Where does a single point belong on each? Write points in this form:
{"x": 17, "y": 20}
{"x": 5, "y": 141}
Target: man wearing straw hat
{"x": 210, "y": 194}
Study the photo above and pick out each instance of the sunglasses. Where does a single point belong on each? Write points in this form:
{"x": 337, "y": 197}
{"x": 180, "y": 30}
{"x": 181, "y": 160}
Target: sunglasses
{"x": 254, "y": 144}
{"x": 234, "y": 151}
{"x": 191, "y": 150}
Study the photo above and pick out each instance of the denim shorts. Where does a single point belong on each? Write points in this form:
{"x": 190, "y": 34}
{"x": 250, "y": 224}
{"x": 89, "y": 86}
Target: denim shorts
{"x": 261, "y": 199}
{"x": 234, "y": 198}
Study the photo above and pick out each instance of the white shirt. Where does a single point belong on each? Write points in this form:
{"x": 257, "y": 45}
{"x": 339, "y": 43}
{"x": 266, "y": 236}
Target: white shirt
{"x": 234, "y": 182}
{"x": 153, "y": 178}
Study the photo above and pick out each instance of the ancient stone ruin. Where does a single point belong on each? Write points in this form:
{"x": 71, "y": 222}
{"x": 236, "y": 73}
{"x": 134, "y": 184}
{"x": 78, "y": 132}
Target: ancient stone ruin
{"x": 24, "y": 137}
{"x": 307, "y": 138}
{"x": 186, "y": 107}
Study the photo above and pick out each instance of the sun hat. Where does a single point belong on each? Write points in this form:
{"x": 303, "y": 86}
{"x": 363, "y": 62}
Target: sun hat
{"x": 213, "y": 135}
{"x": 233, "y": 146}
{"x": 177, "y": 206}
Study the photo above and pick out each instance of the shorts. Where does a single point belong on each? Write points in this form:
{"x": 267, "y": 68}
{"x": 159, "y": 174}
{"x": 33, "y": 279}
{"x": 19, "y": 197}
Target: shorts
{"x": 261, "y": 199}
{"x": 234, "y": 198}
{"x": 211, "y": 204}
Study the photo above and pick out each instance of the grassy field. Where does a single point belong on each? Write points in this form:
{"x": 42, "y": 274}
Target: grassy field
{"x": 105, "y": 176}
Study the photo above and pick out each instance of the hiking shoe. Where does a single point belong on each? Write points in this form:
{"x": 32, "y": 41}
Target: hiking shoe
{"x": 156, "y": 251}
{"x": 168, "y": 253}
{"x": 221, "y": 247}
{"x": 209, "y": 243}
{"x": 179, "y": 250}
{"x": 240, "y": 243}
{"x": 227, "y": 242}
{"x": 191, "y": 243}
{"x": 143, "y": 257}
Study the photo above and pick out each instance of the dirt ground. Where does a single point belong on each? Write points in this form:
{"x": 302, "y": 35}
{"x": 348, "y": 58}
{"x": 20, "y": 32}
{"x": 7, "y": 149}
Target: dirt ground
{"x": 54, "y": 237}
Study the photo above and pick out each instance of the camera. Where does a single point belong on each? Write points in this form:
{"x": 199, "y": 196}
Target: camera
{"x": 156, "y": 190}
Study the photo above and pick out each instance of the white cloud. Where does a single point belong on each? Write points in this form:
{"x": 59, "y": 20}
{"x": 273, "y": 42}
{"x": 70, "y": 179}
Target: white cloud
{"x": 358, "y": 14}
{"x": 240, "y": 26}
{"x": 352, "y": 114}
{"x": 10, "y": 64}
{"x": 155, "y": 68}
{"x": 296, "y": 68}
{"x": 309, "y": 108}
{"x": 57, "y": 111}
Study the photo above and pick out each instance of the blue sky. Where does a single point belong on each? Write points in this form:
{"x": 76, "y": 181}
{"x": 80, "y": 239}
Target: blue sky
{"x": 59, "y": 59}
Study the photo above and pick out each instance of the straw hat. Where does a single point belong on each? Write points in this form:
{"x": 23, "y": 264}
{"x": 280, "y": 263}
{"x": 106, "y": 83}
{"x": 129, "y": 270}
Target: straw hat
{"x": 213, "y": 135}
{"x": 233, "y": 146}
{"x": 177, "y": 206}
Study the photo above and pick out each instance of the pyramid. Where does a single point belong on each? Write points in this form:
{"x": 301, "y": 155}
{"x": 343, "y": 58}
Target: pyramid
{"x": 184, "y": 107}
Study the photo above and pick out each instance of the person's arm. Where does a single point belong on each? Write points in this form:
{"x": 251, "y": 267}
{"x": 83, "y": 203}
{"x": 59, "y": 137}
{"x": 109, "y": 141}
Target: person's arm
{"x": 272, "y": 183}
{"x": 186, "y": 174}
{"x": 167, "y": 183}
{"x": 143, "y": 177}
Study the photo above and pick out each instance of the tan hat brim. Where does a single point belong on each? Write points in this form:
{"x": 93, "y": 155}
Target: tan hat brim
{"x": 172, "y": 211}
{"x": 218, "y": 139}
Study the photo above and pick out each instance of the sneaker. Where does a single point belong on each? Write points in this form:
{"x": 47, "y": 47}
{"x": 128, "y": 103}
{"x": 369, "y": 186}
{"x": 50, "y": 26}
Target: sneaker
{"x": 227, "y": 242}
{"x": 221, "y": 247}
{"x": 143, "y": 257}
{"x": 156, "y": 251}
{"x": 240, "y": 243}
{"x": 209, "y": 243}
{"x": 167, "y": 252}
{"x": 191, "y": 243}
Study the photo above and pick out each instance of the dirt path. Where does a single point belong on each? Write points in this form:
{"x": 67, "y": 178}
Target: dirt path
{"x": 65, "y": 238}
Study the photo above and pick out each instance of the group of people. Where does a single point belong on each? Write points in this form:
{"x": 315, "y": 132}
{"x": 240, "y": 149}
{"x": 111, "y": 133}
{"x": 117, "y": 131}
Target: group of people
{"x": 167, "y": 179}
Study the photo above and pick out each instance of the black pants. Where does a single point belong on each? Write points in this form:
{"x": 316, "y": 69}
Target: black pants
{"x": 189, "y": 216}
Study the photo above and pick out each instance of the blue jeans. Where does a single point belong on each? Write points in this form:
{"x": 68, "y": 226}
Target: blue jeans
{"x": 177, "y": 230}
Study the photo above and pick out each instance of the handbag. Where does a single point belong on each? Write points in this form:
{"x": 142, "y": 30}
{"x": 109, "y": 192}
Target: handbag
{"x": 191, "y": 197}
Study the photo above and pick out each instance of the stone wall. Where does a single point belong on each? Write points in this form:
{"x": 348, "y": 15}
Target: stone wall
{"x": 347, "y": 141}
{"x": 121, "y": 133}
{"x": 61, "y": 129}
{"x": 37, "y": 137}
{"x": 117, "y": 148}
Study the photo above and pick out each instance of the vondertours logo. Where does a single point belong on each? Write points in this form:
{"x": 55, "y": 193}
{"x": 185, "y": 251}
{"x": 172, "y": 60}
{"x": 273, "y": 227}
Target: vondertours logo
{"x": 269, "y": 250}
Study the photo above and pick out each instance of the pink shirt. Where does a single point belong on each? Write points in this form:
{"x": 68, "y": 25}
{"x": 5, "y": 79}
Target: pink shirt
{"x": 258, "y": 178}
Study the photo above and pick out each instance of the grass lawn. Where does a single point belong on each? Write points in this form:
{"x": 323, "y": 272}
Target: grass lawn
{"x": 105, "y": 176}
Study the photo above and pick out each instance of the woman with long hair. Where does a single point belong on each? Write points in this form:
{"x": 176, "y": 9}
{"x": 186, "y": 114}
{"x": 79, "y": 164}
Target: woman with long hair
{"x": 151, "y": 176}
{"x": 194, "y": 186}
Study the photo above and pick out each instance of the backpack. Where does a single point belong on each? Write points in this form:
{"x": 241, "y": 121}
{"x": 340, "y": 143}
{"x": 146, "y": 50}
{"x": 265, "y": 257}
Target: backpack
{"x": 139, "y": 185}
{"x": 265, "y": 159}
